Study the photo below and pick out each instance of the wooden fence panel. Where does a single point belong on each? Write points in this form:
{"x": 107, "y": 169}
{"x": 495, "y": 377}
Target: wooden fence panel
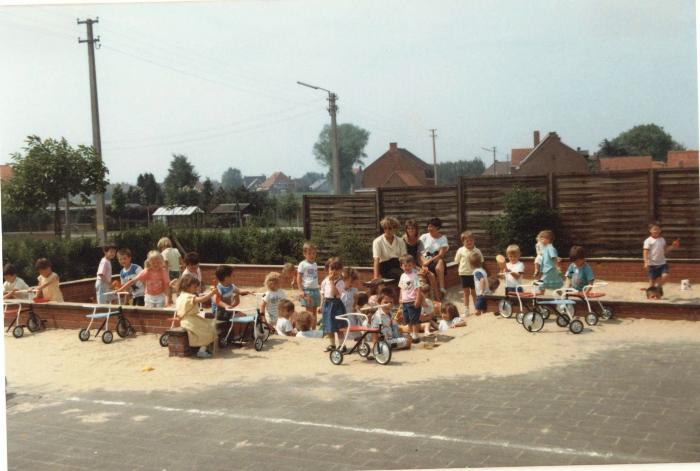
{"x": 483, "y": 198}
{"x": 606, "y": 213}
{"x": 422, "y": 204}
{"x": 678, "y": 210}
{"x": 332, "y": 216}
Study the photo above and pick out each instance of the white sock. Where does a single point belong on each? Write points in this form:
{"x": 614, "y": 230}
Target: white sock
{"x": 202, "y": 349}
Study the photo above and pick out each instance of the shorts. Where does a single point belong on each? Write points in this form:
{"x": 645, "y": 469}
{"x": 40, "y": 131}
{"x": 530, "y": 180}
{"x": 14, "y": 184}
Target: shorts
{"x": 431, "y": 267}
{"x": 151, "y": 300}
{"x": 656, "y": 271}
{"x": 331, "y": 308}
{"x": 138, "y": 301}
{"x": 467, "y": 281}
{"x": 510, "y": 289}
{"x": 410, "y": 313}
{"x": 100, "y": 289}
{"x": 480, "y": 303}
{"x": 314, "y": 294}
{"x": 174, "y": 274}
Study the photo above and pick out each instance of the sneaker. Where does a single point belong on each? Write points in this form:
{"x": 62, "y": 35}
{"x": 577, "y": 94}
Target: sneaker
{"x": 203, "y": 355}
{"x": 329, "y": 348}
{"x": 415, "y": 340}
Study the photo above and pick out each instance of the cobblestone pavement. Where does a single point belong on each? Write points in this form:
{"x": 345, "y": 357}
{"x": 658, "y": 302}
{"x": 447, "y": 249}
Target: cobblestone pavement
{"x": 636, "y": 404}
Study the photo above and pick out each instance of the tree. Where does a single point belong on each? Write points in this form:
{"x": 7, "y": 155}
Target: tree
{"x": 231, "y": 179}
{"x": 151, "y": 190}
{"x": 179, "y": 184}
{"x": 351, "y": 144}
{"x": 119, "y": 200}
{"x": 51, "y": 170}
{"x": 644, "y": 139}
{"x": 289, "y": 207}
{"x": 135, "y": 195}
{"x": 206, "y": 196}
{"x": 308, "y": 179}
{"x": 449, "y": 172}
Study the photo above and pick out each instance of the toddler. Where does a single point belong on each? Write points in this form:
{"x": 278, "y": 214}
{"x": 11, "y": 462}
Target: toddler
{"x": 227, "y": 296}
{"x": 13, "y": 283}
{"x": 304, "y": 326}
{"x": 349, "y": 297}
{"x": 551, "y": 278}
{"x": 466, "y": 271}
{"x": 130, "y": 270}
{"x": 514, "y": 270}
{"x": 155, "y": 278}
{"x": 427, "y": 314}
{"x": 332, "y": 288}
{"x": 289, "y": 273}
{"x": 307, "y": 281}
{"x": 481, "y": 285}
{"x": 411, "y": 296}
{"x": 538, "y": 256}
{"x": 284, "y": 325}
{"x": 654, "y": 254}
{"x": 362, "y": 300}
{"x": 272, "y": 298}
{"x": 200, "y": 332}
{"x": 579, "y": 274}
{"x": 104, "y": 274}
{"x": 382, "y": 320}
{"x": 171, "y": 256}
{"x": 48, "y": 287}
{"x": 450, "y": 318}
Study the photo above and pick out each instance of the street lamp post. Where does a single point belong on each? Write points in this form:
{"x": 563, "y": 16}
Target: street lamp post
{"x": 335, "y": 159}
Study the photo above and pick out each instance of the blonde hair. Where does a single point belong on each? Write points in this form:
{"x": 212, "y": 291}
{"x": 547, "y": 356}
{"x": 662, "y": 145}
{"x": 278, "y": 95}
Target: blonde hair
{"x": 288, "y": 268}
{"x": 389, "y": 221}
{"x": 466, "y": 235}
{"x": 547, "y": 234}
{"x": 187, "y": 281}
{"x": 308, "y": 245}
{"x": 272, "y": 276}
{"x": 150, "y": 256}
{"x": 304, "y": 321}
{"x": 164, "y": 243}
{"x": 350, "y": 273}
{"x": 513, "y": 249}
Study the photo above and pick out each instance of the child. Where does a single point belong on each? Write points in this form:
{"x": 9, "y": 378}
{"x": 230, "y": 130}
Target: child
{"x": 450, "y": 318}
{"x": 104, "y": 274}
{"x": 654, "y": 254}
{"x": 538, "y": 256}
{"x": 171, "y": 256}
{"x": 514, "y": 269}
{"x": 227, "y": 296}
{"x": 551, "y": 278}
{"x": 481, "y": 285}
{"x": 304, "y": 326}
{"x": 200, "y": 332}
{"x": 13, "y": 283}
{"x": 130, "y": 270}
{"x": 307, "y": 281}
{"x": 362, "y": 300}
{"x": 332, "y": 288}
{"x": 382, "y": 320}
{"x": 155, "y": 278}
{"x": 349, "y": 298}
{"x": 466, "y": 272}
{"x": 48, "y": 287}
{"x": 192, "y": 266}
{"x": 284, "y": 326}
{"x": 373, "y": 293}
{"x": 579, "y": 274}
{"x": 427, "y": 313}
{"x": 289, "y": 273}
{"x": 411, "y": 296}
{"x": 272, "y": 298}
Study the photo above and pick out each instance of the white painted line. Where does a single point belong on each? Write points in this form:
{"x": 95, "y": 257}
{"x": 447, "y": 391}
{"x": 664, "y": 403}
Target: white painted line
{"x": 382, "y": 431}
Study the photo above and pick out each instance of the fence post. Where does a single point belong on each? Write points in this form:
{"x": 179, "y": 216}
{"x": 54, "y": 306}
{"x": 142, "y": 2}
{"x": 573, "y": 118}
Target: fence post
{"x": 461, "y": 220}
{"x": 306, "y": 216}
{"x": 651, "y": 195}
{"x": 379, "y": 206}
{"x": 550, "y": 189}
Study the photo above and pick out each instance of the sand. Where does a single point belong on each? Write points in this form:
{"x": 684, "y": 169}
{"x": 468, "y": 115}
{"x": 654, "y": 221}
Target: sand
{"x": 56, "y": 360}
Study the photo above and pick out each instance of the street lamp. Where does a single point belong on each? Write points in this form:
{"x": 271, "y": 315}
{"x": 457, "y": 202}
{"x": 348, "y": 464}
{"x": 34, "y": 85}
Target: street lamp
{"x": 335, "y": 160}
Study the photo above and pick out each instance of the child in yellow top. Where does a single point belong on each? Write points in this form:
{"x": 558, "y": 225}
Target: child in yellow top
{"x": 48, "y": 281}
{"x": 200, "y": 332}
{"x": 466, "y": 271}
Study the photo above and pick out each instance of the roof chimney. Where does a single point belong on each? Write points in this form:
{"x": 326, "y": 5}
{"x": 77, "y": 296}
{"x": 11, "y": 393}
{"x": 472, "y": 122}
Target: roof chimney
{"x": 536, "y": 138}
{"x": 392, "y": 146}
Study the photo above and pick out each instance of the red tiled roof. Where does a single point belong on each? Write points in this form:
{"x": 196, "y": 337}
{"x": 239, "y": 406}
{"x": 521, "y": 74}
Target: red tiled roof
{"x": 627, "y": 162}
{"x": 401, "y": 178}
{"x": 682, "y": 158}
{"x": 277, "y": 177}
{"x": 5, "y": 172}
{"x": 517, "y": 155}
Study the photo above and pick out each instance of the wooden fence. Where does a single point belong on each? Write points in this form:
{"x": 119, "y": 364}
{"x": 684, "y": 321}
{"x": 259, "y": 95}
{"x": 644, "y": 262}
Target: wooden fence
{"x": 606, "y": 212}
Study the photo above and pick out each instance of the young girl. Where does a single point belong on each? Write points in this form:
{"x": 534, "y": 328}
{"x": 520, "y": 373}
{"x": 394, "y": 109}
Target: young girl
{"x": 272, "y": 297}
{"x": 171, "y": 257}
{"x": 48, "y": 287}
{"x": 427, "y": 314}
{"x": 349, "y": 297}
{"x": 155, "y": 278}
{"x": 551, "y": 278}
{"x": 332, "y": 289}
{"x": 538, "y": 256}
{"x": 450, "y": 318}
{"x": 200, "y": 332}
{"x": 304, "y": 326}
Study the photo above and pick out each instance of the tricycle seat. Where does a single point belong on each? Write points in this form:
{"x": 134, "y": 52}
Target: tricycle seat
{"x": 101, "y": 315}
{"x": 557, "y": 302}
{"x": 362, "y": 328}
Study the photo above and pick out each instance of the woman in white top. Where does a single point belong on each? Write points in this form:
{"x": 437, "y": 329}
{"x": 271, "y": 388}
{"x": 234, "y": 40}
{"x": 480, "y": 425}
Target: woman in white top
{"x": 386, "y": 251}
{"x": 434, "y": 247}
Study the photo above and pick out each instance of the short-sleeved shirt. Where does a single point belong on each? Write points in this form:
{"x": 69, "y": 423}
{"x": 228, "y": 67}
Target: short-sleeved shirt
{"x": 409, "y": 283}
{"x": 309, "y": 274}
{"x": 348, "y": 299}
{"x": 197, "y": 274}
{"x": 480, "y": 274}
{"x": 517, "y": 267}
{"x": 283, "y": 326}
{"x": 310, "y": 334}
{"x": 657, "y": 250}
{"x": 430, "y": 245}
{"x": 156, "y": 281}
{"x": 226, "y": 294}
{"x": 272, "y": 300}
{"x": 172, "y": 258}
{"x": 126, "y": 274}
{"x": 445, "y": 325}
{"x": 580, "y": 277}
{"x": 549, "y": 258}
{"x": 383, "y": 250}
{"x": 18, "y": 284}
{"x": 326, "y": 288}
{"x": 462, "y": 257}
{"x": 104, "y": 270}
{"x": 52, "y": 292}
{"x": 382, "y": 320}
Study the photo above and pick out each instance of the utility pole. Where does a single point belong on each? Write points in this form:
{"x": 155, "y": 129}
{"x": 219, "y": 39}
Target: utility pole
{"x": 435, "y": 175}
{"x": 96, "y": 142}
{"x": 492, "y": 149}
{"x": 335, "y": 158}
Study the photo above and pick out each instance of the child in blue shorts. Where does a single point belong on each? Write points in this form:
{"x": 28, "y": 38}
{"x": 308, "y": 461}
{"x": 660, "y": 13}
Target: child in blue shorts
{"x": 307, "y": 281}
{"x": 333, "y": 288}
{"x": 411, "y": 295}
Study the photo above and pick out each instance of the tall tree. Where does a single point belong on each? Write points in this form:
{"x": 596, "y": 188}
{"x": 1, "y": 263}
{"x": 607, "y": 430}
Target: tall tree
{"x": 351, "y": 150}
{"x": 644, "y": 139}
{"x": 206, "y": 196}
{"x": 180, "y": 181}
{"x": 231, "y": 179}
{"x": 449, "y": 172}
{"x": 151, "y": 189}
{"x": 119, "y": 200}
{"x": 51, "y": 170}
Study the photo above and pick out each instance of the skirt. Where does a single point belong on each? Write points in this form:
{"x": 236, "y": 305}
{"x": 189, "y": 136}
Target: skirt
{"x": 552, "y": 280}
{"x": 331, "y": 308}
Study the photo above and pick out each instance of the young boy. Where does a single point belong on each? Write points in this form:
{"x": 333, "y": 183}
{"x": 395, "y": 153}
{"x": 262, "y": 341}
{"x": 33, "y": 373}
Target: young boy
{"x": 227, "y": 296}
{"x": 13, "y": 283}
{"x": 284, "y": 325}
{"x": 514, "y": 269}
{"x": 130, "y": 270}
{"x": 272, "y": 298}
{"x": 382, "y": 320}
{"x": 654, "y": 253}
{"x": 171, "y": 256}
{"x": 481, "y": 285}
{"x": 48, "y": 281}
{"x": 191, "y": 268}
{"x": 304, "y": 326}
{"x": 307, "y": 281}
{"x": 411, "y": 296}
{"x": 103, "y": 283}
{"x": 579, "y": 274}
{"x": 466, "y": 272}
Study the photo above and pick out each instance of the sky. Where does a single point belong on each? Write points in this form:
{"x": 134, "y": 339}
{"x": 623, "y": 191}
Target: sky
{"x": 216, "y": 81}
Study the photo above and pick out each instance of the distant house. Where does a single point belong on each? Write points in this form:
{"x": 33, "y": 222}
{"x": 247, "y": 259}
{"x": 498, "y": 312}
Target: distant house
{"x": 682, "y": 158}
{"x": 674, "y": 159}
{"x": 252, "y": 183}
{"x": 320, "y": 186}
{"x": 230, "y": 214}
{"x": 278, "y": 182}
{"x": 179, "y": 216}
{"x": 5, "y": 173}
{"x": 550, "y": 155}
{"x": 397, "y": 167}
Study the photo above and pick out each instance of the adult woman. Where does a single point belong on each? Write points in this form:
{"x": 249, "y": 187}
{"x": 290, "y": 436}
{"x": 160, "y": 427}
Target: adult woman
{"x": 434, "y": 247}
{"x": 386, "y": 250}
